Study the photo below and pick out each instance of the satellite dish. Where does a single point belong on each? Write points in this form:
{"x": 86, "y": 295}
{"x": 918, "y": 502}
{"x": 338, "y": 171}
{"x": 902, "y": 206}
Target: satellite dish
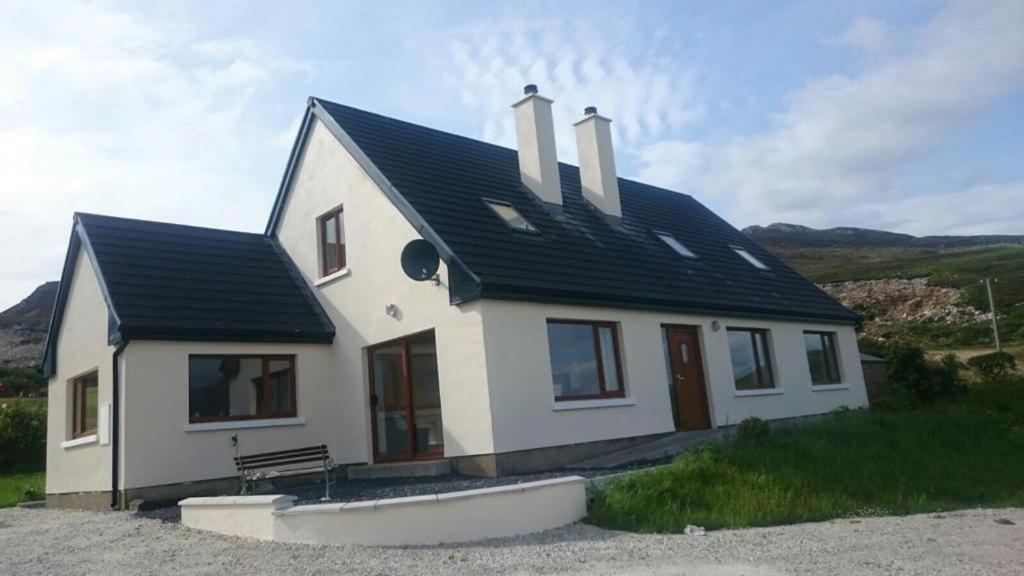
{"x": 420, "y": 260}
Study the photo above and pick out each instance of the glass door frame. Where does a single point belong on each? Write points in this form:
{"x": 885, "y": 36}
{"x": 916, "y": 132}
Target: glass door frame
{"x": 431, "y": 453}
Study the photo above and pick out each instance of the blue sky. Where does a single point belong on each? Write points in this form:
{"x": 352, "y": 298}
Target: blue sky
{"x": 906, "y": 116}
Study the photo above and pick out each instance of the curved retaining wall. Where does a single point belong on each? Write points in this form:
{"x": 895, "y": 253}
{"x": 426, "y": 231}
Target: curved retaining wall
{"x": 464, "y": 516}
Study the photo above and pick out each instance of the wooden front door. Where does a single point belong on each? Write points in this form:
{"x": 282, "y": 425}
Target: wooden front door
{"x": 691, "y": 395}
{"x": 405, "y": 403}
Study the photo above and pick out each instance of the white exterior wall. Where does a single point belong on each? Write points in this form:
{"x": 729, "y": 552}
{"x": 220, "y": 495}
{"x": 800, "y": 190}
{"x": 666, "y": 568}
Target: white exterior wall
{"x": 159, "y": 445}
{"x": 81, "y": 348}
{"x": 526, "y": 415}
{"x": 375, "y": 233}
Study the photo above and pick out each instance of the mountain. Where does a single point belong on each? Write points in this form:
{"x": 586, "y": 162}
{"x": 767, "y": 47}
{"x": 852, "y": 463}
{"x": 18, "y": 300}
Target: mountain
{"x": 23, "y": 327}
{"x": 929, "y": 289}
{"x": 781, "y": 235}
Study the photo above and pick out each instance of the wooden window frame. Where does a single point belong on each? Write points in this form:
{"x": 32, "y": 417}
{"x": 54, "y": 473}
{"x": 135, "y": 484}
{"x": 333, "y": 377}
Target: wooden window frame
{"x": 760, "y": 369}
{"x": 833, "y": 373}
{"x": 78, "y": 405}
{"x": 265, "y": 359}
{"x": 339, "y": 262}
{"x": 596, "y": 325}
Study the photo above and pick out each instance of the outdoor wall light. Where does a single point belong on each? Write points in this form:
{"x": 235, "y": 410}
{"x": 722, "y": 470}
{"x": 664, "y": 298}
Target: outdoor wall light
{"x": 716, "y": 325}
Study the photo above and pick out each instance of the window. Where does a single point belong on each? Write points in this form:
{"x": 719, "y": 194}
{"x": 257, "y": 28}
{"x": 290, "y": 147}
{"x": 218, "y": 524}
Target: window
{"x": 85, "y": 393}
{"x": 675, "y": 244}
{"x": 584, "y": 359}
{"x": 751, "y": 359}
{"x": 332, "y": 241}
{"x": 510, "y": 216}
{"x": 240, "y": 387}
{"x": 750, "y": 258}
{"x": 822, "y": 357}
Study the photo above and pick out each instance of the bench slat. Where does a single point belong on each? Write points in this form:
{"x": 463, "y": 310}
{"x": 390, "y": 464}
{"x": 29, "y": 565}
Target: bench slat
{"x": 284, "y": 462}
{"x": 319, "y": 448}
{"x": 262, "y": 459}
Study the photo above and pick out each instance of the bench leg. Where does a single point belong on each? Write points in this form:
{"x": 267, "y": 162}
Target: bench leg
{"x": 328, "y": 465}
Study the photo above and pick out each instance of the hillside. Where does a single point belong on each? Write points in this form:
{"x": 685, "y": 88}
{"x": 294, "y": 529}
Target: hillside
{"x": 23, "y": 327}
{"x": 845, "y": 260}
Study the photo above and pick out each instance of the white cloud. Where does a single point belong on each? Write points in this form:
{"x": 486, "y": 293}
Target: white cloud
{"x": 675, "y": 164}
{"x": 868, "y": 34}
{"x": 648, "y": 96}
{"x": 105, "y": 110}
{"x": 842, "y": 141}
{"x": 984, "y": 209}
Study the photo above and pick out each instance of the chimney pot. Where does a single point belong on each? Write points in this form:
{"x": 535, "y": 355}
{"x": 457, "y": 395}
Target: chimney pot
{"x": 530, "y": 89}
{"x": 590, "y": 110}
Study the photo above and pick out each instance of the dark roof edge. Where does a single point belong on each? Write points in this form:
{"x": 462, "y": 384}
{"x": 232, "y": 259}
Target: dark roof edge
{"x": 229, "y": 335}
{"x": 307, "y": 293}
{"x": 79, "y": 239}
{"x": 652, "y": 306}
{"x": 315, "y": 109}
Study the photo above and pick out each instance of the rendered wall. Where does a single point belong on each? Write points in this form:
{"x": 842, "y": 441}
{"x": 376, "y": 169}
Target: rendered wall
{"x": 161, "y": 447}
{"x": 526, "y": 416}
{"x": 375, "y": 233}
{"x": 81, "y": 348}
{"x": 463, "y": 516}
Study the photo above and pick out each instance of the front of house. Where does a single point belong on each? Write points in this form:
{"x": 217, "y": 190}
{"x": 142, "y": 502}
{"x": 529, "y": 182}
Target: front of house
{"x": 574, "y": 312}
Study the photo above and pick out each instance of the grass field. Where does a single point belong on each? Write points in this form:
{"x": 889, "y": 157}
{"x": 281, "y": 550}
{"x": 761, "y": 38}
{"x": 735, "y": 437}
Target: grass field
{"x": 21, "y": 487}
{"x": 861, "y": 462}
{"x": 963, "y": 269}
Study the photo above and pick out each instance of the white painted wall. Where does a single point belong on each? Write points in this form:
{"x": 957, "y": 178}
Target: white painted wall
{"x": 81, "y": 348}
{"x": 464, "y": 516}
{"x": 375, "y": 233}
{"x": 526, "y": 416}
{"x": 159, "y": 445}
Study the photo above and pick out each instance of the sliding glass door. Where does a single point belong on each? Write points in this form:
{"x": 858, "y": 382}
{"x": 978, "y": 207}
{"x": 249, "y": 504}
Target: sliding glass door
{"x": 405, "y": 402}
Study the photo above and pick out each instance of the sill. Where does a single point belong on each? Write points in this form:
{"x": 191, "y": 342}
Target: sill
{"x": 332, "y": 277}
{"x": 760, "y": 392}
{"x": 592, "y": 403}
{"x": 91, "y": 439}
{"x": 242, "y": 424}
{"x": 827, "y": 387}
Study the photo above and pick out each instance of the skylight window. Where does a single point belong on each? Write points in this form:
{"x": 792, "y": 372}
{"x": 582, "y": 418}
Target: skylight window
{"x": 750, "y": 258}
{"x": 512, "y": 218}
{"x": 675, "y": 244}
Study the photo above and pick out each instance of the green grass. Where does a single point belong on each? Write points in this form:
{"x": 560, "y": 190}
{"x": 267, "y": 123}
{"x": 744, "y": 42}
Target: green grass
{"x": 21, "y": 487}
{"x": 857, "y": 463}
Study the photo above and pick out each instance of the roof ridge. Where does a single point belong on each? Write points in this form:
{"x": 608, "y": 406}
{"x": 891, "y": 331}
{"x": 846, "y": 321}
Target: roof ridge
{"x": 575, "y": 167}
{"x": 78, "y": 216}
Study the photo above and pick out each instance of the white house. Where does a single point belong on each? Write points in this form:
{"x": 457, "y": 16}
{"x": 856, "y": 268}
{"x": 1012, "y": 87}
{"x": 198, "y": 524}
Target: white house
{"x": 574, "y": 312}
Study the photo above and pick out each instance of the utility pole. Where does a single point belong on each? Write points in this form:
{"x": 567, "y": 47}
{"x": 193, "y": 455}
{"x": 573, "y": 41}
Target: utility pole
{"x": 992, "y": 308}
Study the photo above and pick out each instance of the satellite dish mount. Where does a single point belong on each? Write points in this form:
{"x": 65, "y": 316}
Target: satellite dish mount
{"x": 420, "y": 261}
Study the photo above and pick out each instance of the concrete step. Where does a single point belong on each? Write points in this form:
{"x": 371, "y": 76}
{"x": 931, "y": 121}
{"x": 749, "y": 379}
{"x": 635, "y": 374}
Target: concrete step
{"x": 401, "y": 469}
{"x": 655, "y": 450}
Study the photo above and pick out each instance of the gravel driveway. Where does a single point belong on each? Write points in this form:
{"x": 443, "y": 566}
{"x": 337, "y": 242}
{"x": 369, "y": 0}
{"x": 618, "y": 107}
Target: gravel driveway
{"x": 117, "y": 544}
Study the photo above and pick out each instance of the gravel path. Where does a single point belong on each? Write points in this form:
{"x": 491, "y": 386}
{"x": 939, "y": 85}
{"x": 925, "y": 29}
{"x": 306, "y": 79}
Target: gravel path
{"x": 118, "y": 544}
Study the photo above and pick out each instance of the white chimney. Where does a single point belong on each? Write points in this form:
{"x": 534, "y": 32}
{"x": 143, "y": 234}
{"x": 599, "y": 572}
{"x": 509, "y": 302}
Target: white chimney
{"x": 535, "y": 139}
{"x": 597, "y": 162}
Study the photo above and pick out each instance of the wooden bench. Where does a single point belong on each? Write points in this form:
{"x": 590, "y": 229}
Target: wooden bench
{"x": 284, "y": 463}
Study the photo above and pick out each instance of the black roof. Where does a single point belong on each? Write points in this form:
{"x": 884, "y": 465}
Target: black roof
{"x": 173, "y": 282}
{"x": 440, "y": 181}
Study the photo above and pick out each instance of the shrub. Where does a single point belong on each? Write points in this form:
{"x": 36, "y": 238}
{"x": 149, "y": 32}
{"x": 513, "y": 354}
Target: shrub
{"x": 927, "y": 381}
{"x": 22, "y": 435}
{"x": 752, "y": 430}
{"x": 993, "y": 364}
{"x": 22, "y": 380}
